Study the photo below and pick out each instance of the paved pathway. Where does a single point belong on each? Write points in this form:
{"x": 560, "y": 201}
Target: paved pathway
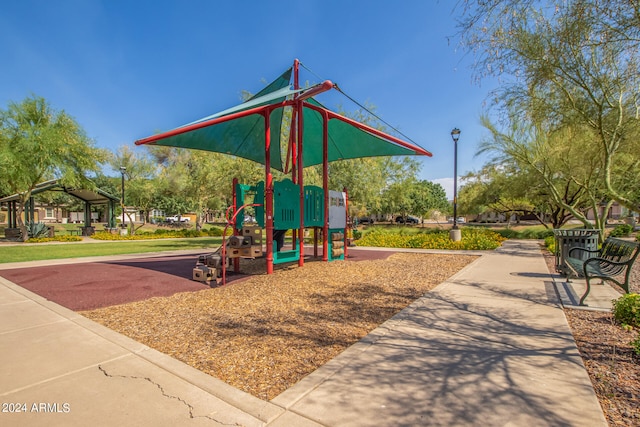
{"x": 600, "y": 296}
{"x": 490, "y": 346}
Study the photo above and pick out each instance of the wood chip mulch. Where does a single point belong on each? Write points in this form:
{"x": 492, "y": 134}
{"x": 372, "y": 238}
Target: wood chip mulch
{"x": 611, "y": 363}
{"x": 264, "y": 334}
{"x": 609, "y": 358}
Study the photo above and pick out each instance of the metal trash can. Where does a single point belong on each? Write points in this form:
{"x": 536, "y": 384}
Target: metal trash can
{"x": 567, "y": 239}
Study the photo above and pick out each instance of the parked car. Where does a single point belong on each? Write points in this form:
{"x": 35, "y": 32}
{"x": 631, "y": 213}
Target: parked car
{"x": 410, "y": 220}
{"x": 365, "y": 220}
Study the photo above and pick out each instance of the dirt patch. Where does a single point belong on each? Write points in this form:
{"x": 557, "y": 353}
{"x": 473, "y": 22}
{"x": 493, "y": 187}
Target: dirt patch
{"x": 264, "y": 334}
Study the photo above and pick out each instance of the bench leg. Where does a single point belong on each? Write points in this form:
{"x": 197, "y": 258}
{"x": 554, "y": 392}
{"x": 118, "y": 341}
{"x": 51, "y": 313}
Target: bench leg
{"x": 586, "y": 292}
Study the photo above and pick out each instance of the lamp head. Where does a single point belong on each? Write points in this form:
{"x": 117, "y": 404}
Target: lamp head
{"x": 455, "y": 134}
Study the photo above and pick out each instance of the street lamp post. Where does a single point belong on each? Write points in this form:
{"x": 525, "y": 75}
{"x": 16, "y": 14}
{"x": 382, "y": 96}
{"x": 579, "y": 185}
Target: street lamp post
{"x": 455, "y": 231}
{"x": 122, "y": 171}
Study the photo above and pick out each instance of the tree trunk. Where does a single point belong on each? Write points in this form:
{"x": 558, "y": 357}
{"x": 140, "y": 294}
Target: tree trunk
{"x": 24, "y": 233}
{"x": 132, "y": 228}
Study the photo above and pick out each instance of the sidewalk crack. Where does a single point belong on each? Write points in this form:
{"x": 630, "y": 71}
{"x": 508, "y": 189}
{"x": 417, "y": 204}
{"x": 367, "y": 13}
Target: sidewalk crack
{"x": 165, "y": 394}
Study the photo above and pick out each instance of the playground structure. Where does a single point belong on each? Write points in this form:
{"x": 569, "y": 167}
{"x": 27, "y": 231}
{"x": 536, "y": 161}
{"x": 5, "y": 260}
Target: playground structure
{"x": 316, "y": 136}
{"x": 246, "y": 241}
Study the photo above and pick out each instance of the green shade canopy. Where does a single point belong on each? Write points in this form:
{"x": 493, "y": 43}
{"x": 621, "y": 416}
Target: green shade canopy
{"x": 95, "y": 196}
{"x": 240, "y": 131}
{"x": 345, "y": 141}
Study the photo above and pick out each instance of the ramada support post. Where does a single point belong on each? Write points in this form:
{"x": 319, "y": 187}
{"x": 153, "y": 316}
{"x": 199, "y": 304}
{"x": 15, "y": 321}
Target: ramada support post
{"x": 325, "y": 184}
{"x": 292, "y": 155}
{"x": 298, "y": 108}
{"x": 236, "y": 261}
{"x": 346, "y": 219}
{"x": 268, "y": 190}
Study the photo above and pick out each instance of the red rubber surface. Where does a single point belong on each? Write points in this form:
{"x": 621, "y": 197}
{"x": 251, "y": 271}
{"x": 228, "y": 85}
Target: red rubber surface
{"x": 87, "y": 286}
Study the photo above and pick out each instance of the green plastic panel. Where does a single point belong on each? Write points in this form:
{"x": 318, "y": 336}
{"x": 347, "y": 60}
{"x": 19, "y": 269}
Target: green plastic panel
{"x": 260, "y": 199}
{"x": 286, "y": 205}
{"x": 313, "y": 206}
{"x": 285, "y": 256}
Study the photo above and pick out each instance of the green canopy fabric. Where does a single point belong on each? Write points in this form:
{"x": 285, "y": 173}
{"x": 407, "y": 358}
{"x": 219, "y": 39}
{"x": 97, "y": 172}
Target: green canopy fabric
{"x": 94, "y": 196}
{"x": 345, "y": 141}
{"x": 240, "y": 131}
{"x": 242, "y": 137}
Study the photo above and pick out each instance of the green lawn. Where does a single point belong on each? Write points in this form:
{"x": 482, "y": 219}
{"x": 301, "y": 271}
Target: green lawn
{"x": 41, "y": 251}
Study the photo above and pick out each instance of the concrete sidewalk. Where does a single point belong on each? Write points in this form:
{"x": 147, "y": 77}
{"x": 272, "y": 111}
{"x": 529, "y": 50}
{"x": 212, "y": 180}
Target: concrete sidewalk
{"x": 60, "y": 369}
{"x": 490, "y": 346}
{"x": 600, "y": 297}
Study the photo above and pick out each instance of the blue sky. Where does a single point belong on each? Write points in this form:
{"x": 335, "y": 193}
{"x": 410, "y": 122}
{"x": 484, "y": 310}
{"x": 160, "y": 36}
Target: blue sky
{"x": 127, "y": 69}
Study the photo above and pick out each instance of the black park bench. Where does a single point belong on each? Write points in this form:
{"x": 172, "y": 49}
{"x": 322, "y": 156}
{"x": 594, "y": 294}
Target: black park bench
{"x": 612, "y": 262}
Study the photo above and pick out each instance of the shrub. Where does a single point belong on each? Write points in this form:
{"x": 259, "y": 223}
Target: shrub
{"x": 472, "y": 239}
{"x": 545, "y": 234}
{"x": 531, "y": 233}
{"x": 550, "y": 243}
{"x": 163, "y": 234}
{"x": 68, "y": 238}
{"x": 162, "y": 231}
{"x": 622, "y": 230}
{"x": 103, "y": 235}
{"x": 626, "y": 310}
{"x": 636, "y": 345}
{"x": 527, "y": 233}
{"x": 191, "y": 233}
{"x": 37, "y": 229}
{"x": 65, "y": 238}
{"x": 508, "y": 233}
{"x": 215, "y": 231}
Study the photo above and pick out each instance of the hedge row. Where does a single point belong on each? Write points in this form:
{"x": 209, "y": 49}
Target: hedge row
{"x": 162, "y": 234}
{"x": 472, "y": 239}
{"x": 63, "y": 238}
{"x": 510, "y": 233}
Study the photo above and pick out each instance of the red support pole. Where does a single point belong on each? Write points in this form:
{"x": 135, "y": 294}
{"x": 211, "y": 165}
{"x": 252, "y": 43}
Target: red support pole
{"x": 294, "y": 178}
{"x": 299, "y": 113}
{"x": 236, "y": 261}
{"x": 294, "y": 160}
{"x": 294, "y": 152}
{"x": 268, "y": 191}
{"x": 346, "y": 212}
{"x": 325, "y": 185}
{"x": 315, "y": 90}
{"x": 294, "y": 124}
